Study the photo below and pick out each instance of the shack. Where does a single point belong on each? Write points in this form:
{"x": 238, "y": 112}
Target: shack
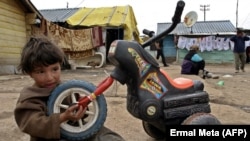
{"x": 211, "y": 36}
{"x": 17, "y": 18}
{"x": 117, "y": 22}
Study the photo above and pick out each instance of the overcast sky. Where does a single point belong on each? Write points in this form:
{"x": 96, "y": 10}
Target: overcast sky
{"x": 150, "y": 12}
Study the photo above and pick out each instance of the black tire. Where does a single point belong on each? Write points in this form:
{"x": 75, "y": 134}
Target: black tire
{"x": 152, "y": 131}
{"x": 68, "y": 93}
{"x": 201, "y": 119}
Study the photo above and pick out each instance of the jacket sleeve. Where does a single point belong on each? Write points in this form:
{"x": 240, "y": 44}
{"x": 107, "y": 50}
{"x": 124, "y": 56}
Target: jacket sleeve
{"x": 246, "y": 38}
{"x": 232, "y": 38}
{"x": 31, "y": 118}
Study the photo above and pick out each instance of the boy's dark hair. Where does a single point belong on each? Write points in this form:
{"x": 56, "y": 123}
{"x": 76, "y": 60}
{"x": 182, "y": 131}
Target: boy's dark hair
{"x": 39, "y": 51}
{"x": 239, "y": 30}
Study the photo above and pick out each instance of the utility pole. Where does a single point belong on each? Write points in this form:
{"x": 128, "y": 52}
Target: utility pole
{"x": 204, "y": 8}
{"x": 237, "y": 13}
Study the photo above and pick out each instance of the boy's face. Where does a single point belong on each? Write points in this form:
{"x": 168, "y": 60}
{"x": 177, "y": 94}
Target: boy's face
{"x": 47, "y": 76}
{"x": 240, "y": 34}
{"x": 157, "y": 45}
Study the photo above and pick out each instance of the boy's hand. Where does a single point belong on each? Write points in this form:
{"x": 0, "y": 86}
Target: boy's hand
{"x": 73, "y": 113}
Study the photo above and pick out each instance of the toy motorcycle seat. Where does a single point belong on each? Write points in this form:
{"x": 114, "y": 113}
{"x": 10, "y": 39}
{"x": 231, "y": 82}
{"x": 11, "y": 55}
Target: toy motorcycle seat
{"x": 180, "y": 83}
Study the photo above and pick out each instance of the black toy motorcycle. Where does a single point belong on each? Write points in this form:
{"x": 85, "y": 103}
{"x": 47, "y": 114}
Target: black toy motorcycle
{"x": 152, "y": 95}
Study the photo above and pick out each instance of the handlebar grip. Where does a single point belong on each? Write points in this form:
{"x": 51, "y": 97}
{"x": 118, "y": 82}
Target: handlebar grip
{"x": 148, "y": 32}
{"x": 178, "y": 11}
{"x": 176, "y": 19}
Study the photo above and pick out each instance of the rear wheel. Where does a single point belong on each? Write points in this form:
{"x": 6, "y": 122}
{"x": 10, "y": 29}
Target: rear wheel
{"x": 152, "y": 131}
{"x": 201, "y": 119}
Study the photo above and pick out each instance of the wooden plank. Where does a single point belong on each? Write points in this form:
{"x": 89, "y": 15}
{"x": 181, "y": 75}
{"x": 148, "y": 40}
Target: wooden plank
{"x": 10, "y": 50}
{"x": 11, "y": 20}
{"x": 10, "y": 14}
{"x": 11, "y": 44}
{"x": 7, "y": 56}
{"x": 11, "y": 5}
{"x": 20, "y": 28}
{"x": 11, "y": 32}
{"x": 5, "y": 37}
{"x": 12, "y": 38}
{"x": 9, "y": 61}
{"x": 31, "y": 21}
{"x": 31, "y": 16}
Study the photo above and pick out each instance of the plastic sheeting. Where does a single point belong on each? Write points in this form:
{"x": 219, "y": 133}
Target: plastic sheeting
{"x": 117, "y": 16}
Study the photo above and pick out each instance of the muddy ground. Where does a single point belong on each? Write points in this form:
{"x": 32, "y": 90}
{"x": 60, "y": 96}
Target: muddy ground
{"x": 230, "y": 103}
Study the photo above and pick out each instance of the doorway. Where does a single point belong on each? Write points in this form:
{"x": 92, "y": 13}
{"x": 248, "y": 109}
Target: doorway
{"x": 111, "y": 35}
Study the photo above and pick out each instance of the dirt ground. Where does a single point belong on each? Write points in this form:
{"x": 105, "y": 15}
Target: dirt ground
{"x": 230, "y": 103}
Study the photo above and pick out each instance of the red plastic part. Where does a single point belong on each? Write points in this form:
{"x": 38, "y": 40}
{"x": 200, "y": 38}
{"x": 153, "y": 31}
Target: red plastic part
{"x": 84, "y": 101}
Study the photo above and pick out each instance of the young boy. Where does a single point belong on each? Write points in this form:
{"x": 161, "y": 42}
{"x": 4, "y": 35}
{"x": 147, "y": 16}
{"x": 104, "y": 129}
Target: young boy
{"x": 239, "y": 50}
{"x": 41, "y": 60}
{"x": 159, "y": 48}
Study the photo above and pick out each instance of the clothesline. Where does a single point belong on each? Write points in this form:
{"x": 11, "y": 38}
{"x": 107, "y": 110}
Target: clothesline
{"x": 208, "y": 43}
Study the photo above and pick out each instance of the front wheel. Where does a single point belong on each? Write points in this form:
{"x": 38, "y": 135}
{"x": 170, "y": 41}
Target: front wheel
{"x": 67, "y": 94}
{"x": 201, "y": 119}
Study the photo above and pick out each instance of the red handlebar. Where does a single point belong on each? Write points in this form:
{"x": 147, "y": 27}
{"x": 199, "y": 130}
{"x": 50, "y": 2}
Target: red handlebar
{"x": 106, "y": 83}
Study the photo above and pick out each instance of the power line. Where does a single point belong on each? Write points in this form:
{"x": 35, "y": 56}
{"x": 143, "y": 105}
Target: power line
{"x": 204, "y": 8}
{"x": 80, "y": 3}
{"x": 237, "y": 13}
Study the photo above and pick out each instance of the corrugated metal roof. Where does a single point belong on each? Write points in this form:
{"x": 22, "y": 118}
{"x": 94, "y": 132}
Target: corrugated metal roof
{"x": 58, "y": 15}
{"x": 200, "y": 28}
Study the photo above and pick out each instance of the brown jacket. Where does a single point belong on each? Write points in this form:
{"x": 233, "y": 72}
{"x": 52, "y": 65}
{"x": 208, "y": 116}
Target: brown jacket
{"x": 30, "y": 115}
{"x": 31, "y": 118}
